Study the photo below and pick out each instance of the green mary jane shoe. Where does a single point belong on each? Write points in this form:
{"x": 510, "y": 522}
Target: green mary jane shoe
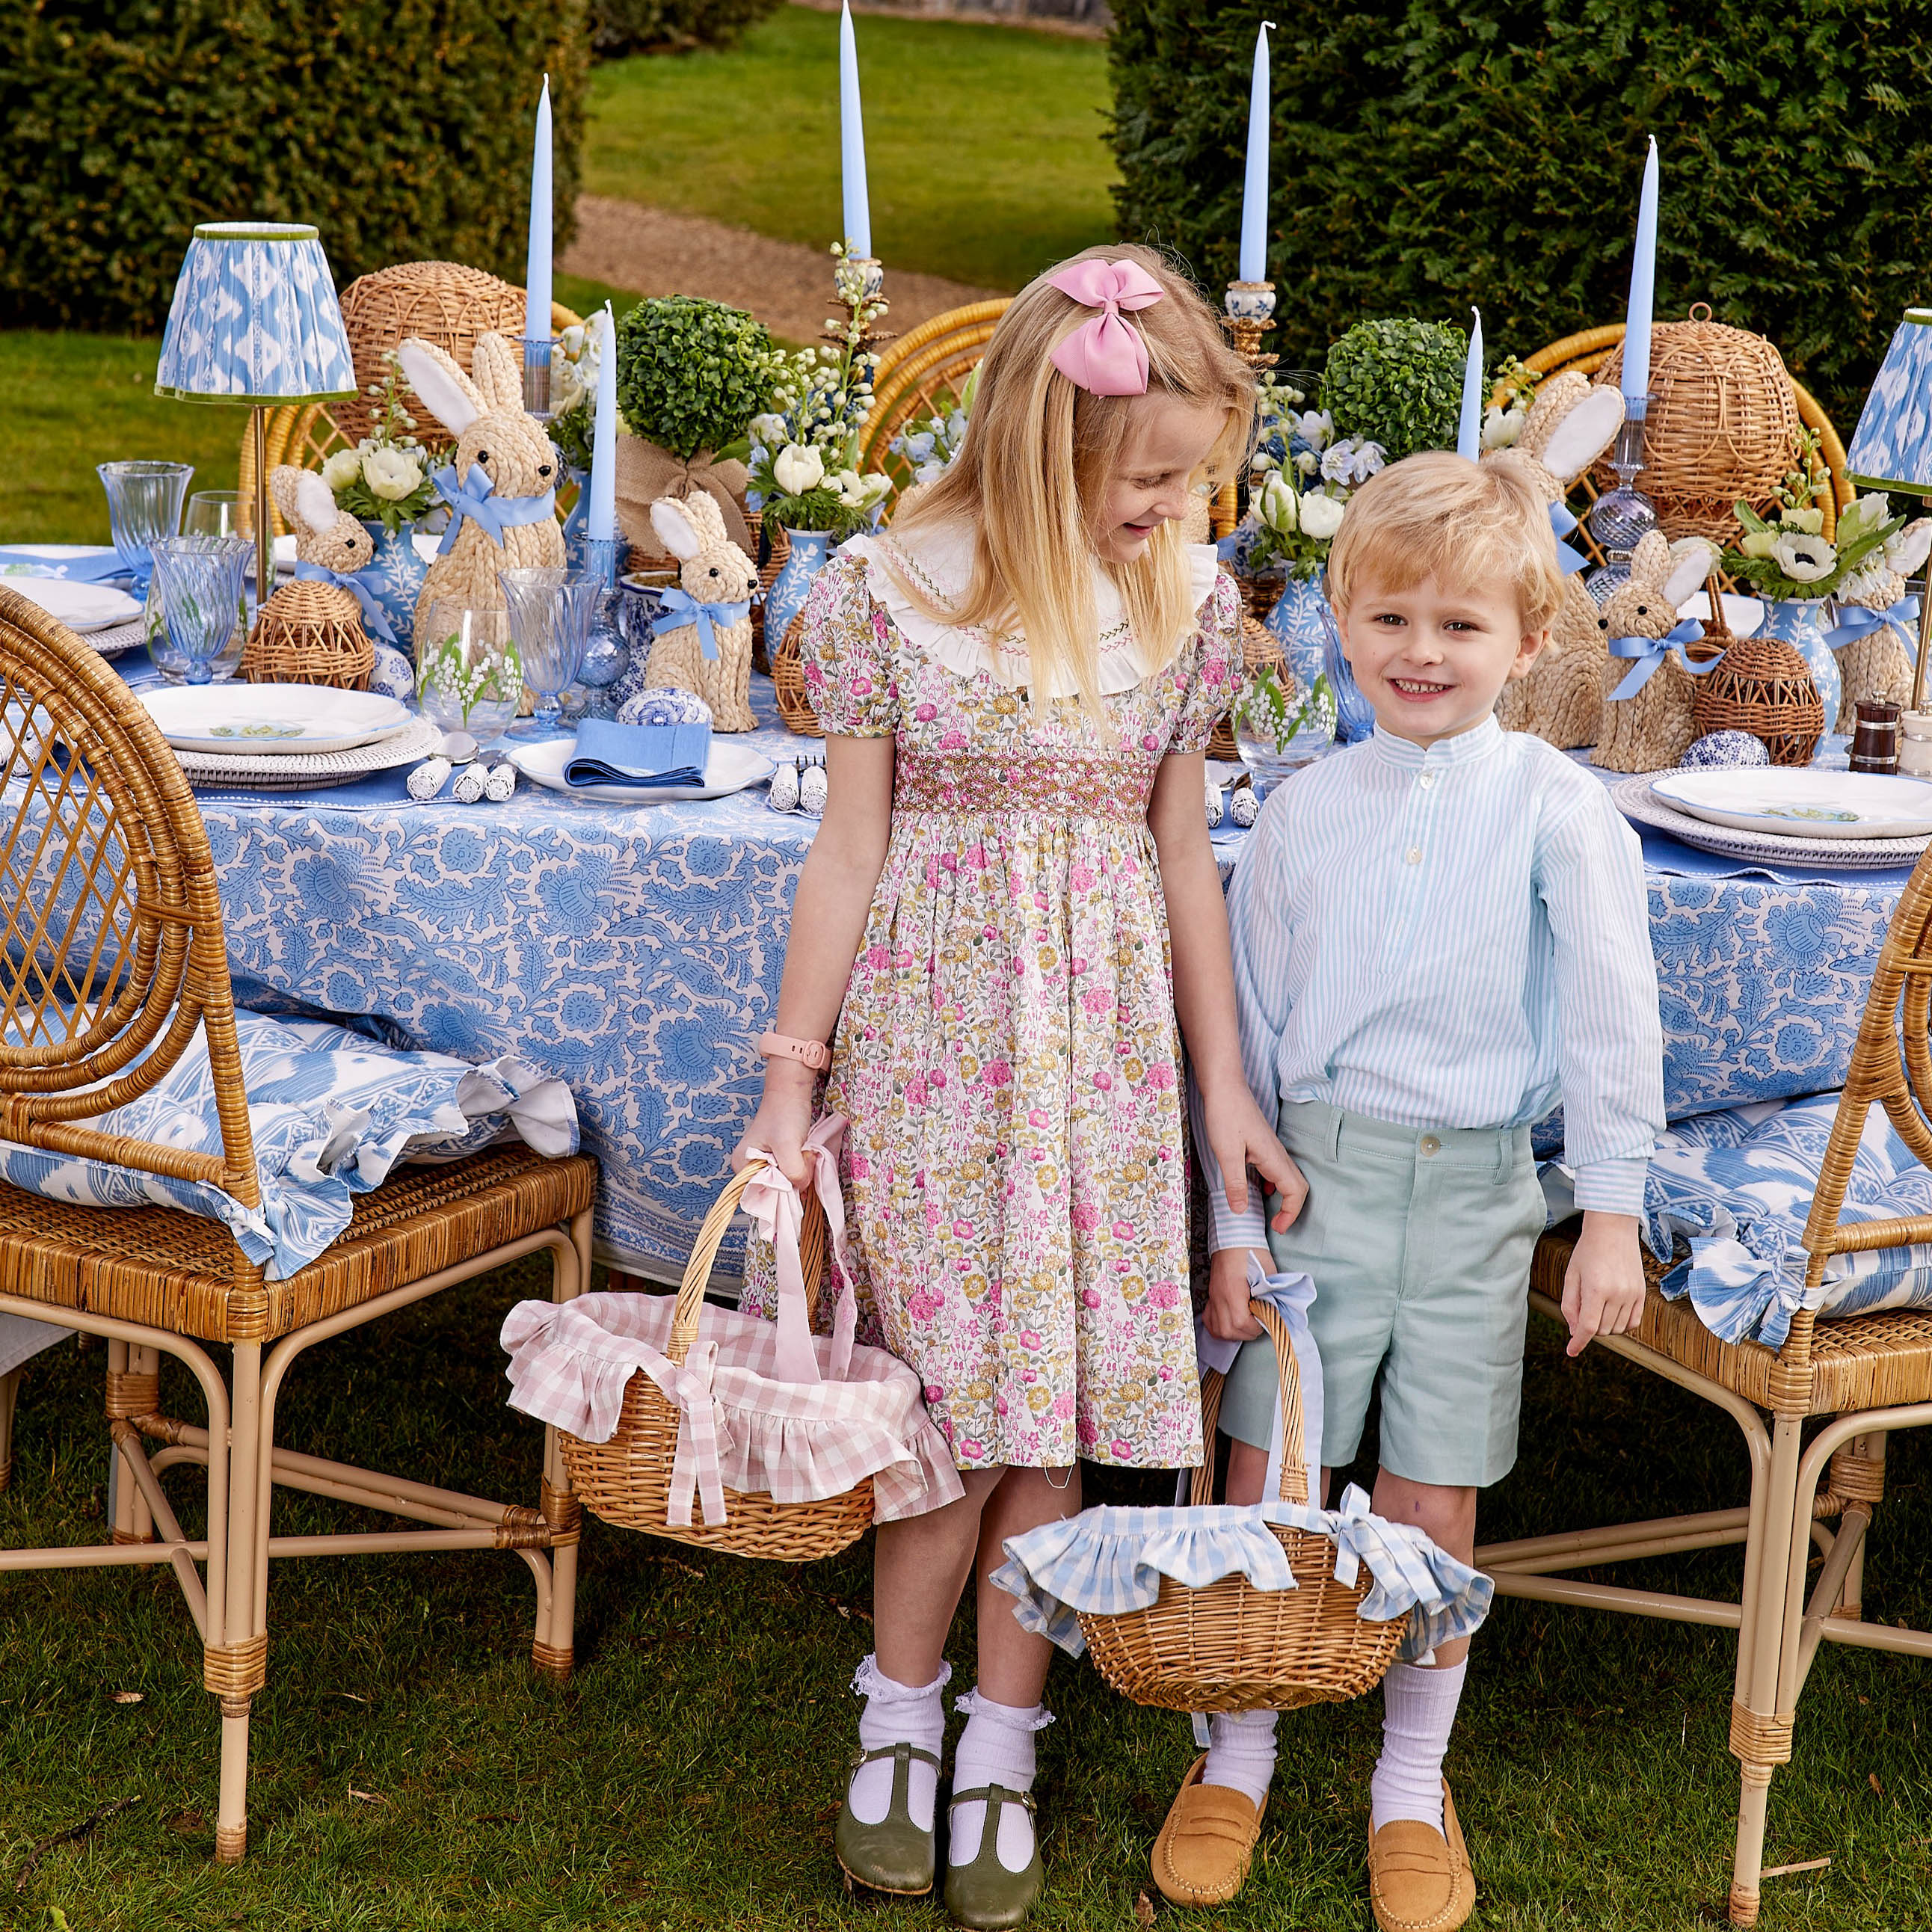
{"x": 984, "y": 1894}
{"x": 894, "y": 1855}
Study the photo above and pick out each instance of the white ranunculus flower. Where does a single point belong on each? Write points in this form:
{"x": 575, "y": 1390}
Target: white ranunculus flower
{"x": 1276, "y": 505}
{"x": 391, "y": 474}
{"x": 1501, "y": 428}
{"x": 768, "y": 429}
{"x": 797, "y": 468}
{"x": 1803, "y": 557}
{"x": 1862, "y": 514}
{"x": 342, "y": 470}
{"x": 1321, "y": 516}
{"x": 1906, "y": 552}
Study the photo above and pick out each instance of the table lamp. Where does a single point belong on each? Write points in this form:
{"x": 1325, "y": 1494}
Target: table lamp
{"x": 1892, "y": 449}
{"x": 254, "y": 320}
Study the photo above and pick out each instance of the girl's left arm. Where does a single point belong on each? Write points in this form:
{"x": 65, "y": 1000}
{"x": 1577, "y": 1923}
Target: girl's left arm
{"x": 1204, "y": 987}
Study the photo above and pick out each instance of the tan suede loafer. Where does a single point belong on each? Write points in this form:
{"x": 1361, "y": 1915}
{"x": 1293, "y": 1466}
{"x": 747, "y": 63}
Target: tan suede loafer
{"x": 1419, "y": 1879}
{"x": 1202, "y": 1854}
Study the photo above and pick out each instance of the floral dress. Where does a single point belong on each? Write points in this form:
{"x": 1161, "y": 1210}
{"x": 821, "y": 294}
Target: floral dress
{"x": 1007, "y": 1052}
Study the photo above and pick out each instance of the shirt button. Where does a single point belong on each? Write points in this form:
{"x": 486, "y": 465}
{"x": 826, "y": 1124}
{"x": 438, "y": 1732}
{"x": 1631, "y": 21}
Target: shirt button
{"x": 1413, "y": 857}
{"x": 1431, "y": 1145}
{"x": 1428, "y": 778}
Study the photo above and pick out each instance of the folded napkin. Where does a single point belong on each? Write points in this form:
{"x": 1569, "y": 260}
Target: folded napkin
{"x": 94, "y": 567}
{"x": 609, "y": 754}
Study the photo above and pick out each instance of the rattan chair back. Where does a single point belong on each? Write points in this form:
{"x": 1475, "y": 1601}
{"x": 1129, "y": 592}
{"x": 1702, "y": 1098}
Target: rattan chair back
{"x": 923, "y": 368}
{"x": 113, "y": 953}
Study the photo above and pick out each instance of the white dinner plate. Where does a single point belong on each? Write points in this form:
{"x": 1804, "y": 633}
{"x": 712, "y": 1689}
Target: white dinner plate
{"x": 730, "y": 768}
{"x": 80, "y": 607}
{"x": 1801, "y": 802}
{"x": 263, "y": 718}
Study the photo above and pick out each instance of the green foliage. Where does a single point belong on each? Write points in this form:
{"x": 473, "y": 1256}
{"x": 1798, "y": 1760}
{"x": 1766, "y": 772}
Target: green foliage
{"x": 1398, "y": 383}
{"x": 619, "y": 27}
{"x": 1430, "y": 154}
{"x": 400, "y": 128}
{"x": 691, "y": 374}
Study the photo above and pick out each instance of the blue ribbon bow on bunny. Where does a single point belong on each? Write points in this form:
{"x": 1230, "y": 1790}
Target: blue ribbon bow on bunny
{"x": 680, "y": 608}
{"x": 375, "y": 618}
{"x": 477, "y": 500}
{"x": 1855, "y": 622}
{"x": 1650, "y": 653}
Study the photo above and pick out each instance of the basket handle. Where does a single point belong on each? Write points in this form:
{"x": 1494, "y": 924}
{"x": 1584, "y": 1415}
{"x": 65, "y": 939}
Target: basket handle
{"x": 697, "y": 1269}
{"x": 1294, "y": 1469}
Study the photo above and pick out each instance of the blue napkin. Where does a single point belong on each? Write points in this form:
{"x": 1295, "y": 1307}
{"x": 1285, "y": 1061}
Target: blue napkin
{"x": 609, "y": 754}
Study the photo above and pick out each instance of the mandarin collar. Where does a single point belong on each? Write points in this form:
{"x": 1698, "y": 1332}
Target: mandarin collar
{"x": 1466, "y": 747}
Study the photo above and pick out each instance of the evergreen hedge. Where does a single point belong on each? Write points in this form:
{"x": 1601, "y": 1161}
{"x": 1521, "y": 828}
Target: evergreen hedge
{"x": 1428, "y": 154}
{"x": 400, "y": 128}
{"x": 619, "y": 27}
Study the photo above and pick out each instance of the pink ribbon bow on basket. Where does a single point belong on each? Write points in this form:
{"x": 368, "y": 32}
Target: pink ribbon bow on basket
{"x": 1106, "y": 355}
{"x": 776, "y": 1206}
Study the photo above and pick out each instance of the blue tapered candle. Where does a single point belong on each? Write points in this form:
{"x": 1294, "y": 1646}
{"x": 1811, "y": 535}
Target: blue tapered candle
{"x": 1469, "y": 427}
{"x": 536, "y": 272}
{"x": 601, "y": 519}
{"x": 1643, "y": 285}
{"x": 1254, "y": 187}
{"x": 852, "y": 142}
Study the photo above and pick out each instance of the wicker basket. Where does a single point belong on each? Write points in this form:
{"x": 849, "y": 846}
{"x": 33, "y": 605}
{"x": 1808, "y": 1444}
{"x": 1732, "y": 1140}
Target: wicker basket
{"x": 1260, "y": 651}
{"x": 627, "y": 1479}
{"x": 309, "y": 633}
{"x": 1763, "y": 686}
{"x": 788, "y": 683}
{"x": 777, "y": 546}
{"x": 1231, "y": 1647}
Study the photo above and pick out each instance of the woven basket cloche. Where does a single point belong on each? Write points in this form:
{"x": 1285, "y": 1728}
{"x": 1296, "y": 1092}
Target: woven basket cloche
{"x": 309, "y": 633}
{"x": 1762, "y": 685}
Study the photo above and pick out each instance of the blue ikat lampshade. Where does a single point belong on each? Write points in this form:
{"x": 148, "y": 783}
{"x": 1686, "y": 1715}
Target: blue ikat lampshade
{"x": 1892, "y": 449}
{"x": 255, "y": 319}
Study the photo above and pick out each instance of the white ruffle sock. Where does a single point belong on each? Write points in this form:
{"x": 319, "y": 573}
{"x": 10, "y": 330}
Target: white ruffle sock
{"x": 996, "y": 1747}
{"x": 1418, "y": 1713}
{"x": 1240, "y": 1752}
{"x": 896, "y": 1713}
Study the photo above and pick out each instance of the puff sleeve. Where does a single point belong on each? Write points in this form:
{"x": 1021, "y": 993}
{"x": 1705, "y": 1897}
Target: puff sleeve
{"x": 849, "y": 655}
{"x": 1213, "y": 678}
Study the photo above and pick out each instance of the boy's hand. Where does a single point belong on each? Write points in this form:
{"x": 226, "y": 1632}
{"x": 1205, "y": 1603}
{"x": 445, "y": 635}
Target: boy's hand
{"x": 1227, "y": 1317}
{"x": 1241, "y": 1139}
{"x": 1603, "y": 1287}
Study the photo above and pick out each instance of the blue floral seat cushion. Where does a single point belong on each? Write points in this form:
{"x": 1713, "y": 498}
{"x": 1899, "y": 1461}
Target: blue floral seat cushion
{"x": 330, "y": 1112}
{"x": 1737, "y": 1185}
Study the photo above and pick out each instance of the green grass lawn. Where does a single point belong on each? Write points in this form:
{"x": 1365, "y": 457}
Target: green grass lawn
{"x": 409, "y": 1772}
{"x": 986, "y": 159}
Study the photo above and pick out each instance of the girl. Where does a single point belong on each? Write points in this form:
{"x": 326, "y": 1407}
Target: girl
{"x": 1010, "y": 895}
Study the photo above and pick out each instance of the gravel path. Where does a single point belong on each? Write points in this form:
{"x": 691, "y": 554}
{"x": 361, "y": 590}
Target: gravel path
{"x": 785, "y": 284}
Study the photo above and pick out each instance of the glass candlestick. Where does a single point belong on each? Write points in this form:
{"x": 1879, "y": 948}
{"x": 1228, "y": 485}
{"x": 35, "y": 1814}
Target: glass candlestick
{"x": 606, "y": 655}
{"x": 536, "y": 377}
{"x": 1620, "y": 519}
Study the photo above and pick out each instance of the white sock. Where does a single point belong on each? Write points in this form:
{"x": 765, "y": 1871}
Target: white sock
{"x": 996, "y": 1747}
{"x": 1418, "y": 1713}
{"x": 896, "y": 1713}
{"x": 1240, "y": 1752}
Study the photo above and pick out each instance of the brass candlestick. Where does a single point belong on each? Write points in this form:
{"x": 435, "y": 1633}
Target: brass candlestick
{"x": 1250, "y": 307}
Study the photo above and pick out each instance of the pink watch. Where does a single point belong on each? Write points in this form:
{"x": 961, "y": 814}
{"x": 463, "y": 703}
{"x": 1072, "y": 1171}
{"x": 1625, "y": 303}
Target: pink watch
{"x": 813, "y": 1053}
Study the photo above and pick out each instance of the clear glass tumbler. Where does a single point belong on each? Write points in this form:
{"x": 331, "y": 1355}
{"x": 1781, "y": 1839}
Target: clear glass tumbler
{"x": 144, "y": 501}
{"x": 551, "y": 612}
{"x": 200, "y": 581}
{"x": 214, "y": 513}
{"x": 469, "y": 674}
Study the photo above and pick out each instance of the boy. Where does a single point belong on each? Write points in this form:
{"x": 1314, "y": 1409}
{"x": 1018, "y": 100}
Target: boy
{"x": 1437, "y": 935}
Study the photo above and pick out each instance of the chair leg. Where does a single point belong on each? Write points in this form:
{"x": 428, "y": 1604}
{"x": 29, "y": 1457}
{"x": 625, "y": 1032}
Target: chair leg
{"x": 236, "y": 1669}
{"x": 9, "y": 1390}
{"x": 554, "y": 1649}
{"x": 1857, "y": 1475}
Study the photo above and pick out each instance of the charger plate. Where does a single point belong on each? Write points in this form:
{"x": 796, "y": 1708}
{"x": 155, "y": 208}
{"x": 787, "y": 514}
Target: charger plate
{"x": 1634, "y": 799}
{"x": 312, "y": 771}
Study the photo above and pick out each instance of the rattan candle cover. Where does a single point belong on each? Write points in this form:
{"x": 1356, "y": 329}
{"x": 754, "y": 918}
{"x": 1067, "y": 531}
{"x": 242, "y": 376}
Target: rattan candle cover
{"x": 1723, "y": 426}
{"x": 1761, "y": 686}
{"x": 310, "y": 634}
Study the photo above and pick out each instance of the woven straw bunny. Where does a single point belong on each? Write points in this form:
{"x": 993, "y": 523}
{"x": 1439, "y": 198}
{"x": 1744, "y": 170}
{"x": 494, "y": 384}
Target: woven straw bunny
{"x": 509, "y": 523}
{"x": 1650, "y": 729}
{"x": 1570, "y": 424}
{"x": 324, "y": 535}
{"x": 1875, "y": 667}
{"x": 714, "y": 572}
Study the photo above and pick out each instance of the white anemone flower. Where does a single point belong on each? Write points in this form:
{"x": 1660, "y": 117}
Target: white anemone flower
{"x": 1803, "y": 557}
{"x": 391, "y": 474}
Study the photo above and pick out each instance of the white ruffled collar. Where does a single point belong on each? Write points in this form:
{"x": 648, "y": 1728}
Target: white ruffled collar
{"x": 940, "y": 560}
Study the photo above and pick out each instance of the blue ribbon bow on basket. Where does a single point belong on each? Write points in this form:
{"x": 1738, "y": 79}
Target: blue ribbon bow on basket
{"x": 1650, "y": 653}
{"x": 375, "y": 618}
{"x": 477, "y": 500}
{"x": 680, "y": 608}
{"x": 1855, "y": 622}
{"x": 1562, "y": 523}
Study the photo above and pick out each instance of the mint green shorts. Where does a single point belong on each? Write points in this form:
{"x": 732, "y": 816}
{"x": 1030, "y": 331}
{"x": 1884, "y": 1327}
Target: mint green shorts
{"x": 1419, "y": 1242}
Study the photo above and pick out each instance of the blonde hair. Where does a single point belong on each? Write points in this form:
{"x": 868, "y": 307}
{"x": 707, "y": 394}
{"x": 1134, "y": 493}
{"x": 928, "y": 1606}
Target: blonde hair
{"x": 1463, "y": 524}
{"x": 1039, "y": 454}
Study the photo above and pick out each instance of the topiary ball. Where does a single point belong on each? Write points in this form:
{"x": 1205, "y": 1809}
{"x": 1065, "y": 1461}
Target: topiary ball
{"x": 666, "y": 706}
{"x": 1721, "y": 749}
{"x": 1398, "y": 383}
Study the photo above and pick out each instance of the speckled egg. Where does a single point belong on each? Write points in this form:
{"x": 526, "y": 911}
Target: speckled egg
{"x": 392, "y": 676}
{"x": 669, "y": 705}
{"x": 1721, "y": 748}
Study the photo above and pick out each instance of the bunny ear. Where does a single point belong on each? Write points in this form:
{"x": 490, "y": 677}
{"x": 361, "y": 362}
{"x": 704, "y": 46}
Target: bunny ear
{"x": 315, "y": 503}
{"x": 1651, "y": 560}
{"x": 1691, "y": 560}
{"x": 282, "y": 480}
{"x": 447, "y": 393}
{"x": 706, "y": 519}
{"x": 500, "y": 375}
{"x": 1583, "y": 432}
{"x": 672, "y": 521}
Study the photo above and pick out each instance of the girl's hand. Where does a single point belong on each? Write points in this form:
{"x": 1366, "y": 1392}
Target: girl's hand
{"x": 782, "y": 1121}
{"x": 1603, "y": 1287}
{"x": 1227, "y": 1316}
{"x": 1241, "y": 1139}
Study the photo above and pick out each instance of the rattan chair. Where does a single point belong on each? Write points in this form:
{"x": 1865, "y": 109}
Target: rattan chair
{"x": 916, "y": 370}
{"x": 1871, "y": 1373}
{"x": 111, "y": 945}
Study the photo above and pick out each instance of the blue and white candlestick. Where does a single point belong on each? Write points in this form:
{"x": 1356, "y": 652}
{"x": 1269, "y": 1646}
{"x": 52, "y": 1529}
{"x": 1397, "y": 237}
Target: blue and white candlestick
{"x": 1250, "y": 308}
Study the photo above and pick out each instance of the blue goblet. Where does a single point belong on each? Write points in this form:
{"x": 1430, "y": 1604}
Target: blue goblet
{"x": 200, "y": 582}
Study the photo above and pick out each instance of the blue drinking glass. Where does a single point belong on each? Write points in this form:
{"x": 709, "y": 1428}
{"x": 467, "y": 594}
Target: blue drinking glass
{"x": 200, "y": 583}
{"x": 144, "y": 501}
{"x": 551, "y": 612}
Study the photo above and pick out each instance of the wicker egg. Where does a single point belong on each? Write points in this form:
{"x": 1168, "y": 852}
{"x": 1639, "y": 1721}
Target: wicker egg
{"x": 1761, "y": 686}
{"x": 1724, "y": 750}
{"x": 309, "y": 633}
{"x": 1723, "y": 426}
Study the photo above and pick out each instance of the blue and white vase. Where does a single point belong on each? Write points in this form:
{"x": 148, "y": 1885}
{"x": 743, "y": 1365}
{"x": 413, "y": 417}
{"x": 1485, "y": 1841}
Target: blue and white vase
{"x": 1306, "y": 626}
{"x": 1795, "y": 621}
{"x": 394, "y": 576}
{"x": 810, "y": 550}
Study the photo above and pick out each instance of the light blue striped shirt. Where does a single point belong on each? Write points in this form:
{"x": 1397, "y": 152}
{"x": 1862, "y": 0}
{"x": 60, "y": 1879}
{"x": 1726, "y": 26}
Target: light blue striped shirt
{"x": 1453, "y": 938}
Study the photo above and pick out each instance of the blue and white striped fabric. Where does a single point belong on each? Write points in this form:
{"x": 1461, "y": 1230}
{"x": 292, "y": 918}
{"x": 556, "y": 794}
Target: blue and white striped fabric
{"x": 1452, "y": 937}
{"x": 331, "y": 1113}
{"x": 1737, "y": 1186}
{"x": 1106, "y": 1561}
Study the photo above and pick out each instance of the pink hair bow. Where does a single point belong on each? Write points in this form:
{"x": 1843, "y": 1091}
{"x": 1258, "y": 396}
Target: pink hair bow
{"x": 1106, "y": 355}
